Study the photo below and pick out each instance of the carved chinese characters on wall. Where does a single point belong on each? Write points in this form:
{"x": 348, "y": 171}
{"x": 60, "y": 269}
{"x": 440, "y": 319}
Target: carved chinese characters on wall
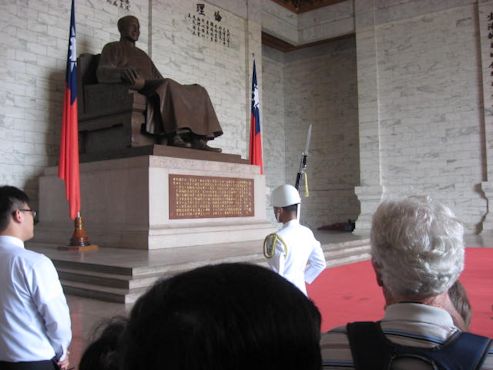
{"x": 490, "y": 38}
{"x": 206, "y": 24}
{"x": 122, "y": 4}
{"x": 210, "y": 197}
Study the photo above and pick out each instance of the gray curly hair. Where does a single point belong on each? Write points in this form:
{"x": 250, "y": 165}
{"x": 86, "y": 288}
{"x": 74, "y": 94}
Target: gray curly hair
{"x": 417, "y": 247}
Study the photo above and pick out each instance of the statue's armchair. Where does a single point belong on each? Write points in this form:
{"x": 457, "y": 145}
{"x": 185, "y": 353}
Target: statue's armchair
{"x": 111, "y": 116}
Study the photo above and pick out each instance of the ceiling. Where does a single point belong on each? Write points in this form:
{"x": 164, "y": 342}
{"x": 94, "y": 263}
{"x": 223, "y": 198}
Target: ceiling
{"x": 301, "y": 6}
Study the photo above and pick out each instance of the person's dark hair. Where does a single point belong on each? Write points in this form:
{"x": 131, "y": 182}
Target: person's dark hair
{"x": 293, "y": 208}
{"x": 11, "y": 198}
{"x": 458, "y": 296}
{"x": 123, "y": 22}
{"x": 102, "y": 353}
{"x": 222, "y": 317}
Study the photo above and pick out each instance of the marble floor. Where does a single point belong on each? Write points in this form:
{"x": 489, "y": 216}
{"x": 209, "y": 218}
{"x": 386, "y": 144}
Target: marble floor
{"x": 87, "y": 314}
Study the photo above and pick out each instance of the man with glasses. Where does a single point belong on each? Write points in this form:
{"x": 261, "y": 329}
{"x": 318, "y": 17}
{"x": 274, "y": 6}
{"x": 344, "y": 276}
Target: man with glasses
{"x": 34, "y": 317}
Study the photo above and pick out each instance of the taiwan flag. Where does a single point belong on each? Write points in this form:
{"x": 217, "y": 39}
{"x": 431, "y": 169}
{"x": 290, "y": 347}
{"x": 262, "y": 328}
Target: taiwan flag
{"x": 255, "y": 132}
{"x": 68, "y": 165}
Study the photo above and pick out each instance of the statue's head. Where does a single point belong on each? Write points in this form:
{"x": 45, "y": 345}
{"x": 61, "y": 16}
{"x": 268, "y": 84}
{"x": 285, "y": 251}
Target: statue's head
{"x": 129, "y": 28}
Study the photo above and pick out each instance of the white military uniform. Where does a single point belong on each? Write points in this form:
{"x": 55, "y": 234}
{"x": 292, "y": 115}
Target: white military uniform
{"x": 300, "y": 259}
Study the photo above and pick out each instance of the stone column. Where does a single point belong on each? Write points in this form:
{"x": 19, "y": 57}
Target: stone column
{"x": 485, "y": 15}
{"x": 370, "y": 190}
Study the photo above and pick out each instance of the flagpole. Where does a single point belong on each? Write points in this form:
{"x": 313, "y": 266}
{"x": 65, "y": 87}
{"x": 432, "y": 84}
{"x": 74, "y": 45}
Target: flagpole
{"x": 255, "y": 147}
{"x": 68, "y": 166}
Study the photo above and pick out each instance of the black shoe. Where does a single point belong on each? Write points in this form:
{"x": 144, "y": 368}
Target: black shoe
{"x": 199, "y": 143}
{"x": 176, "y": 140}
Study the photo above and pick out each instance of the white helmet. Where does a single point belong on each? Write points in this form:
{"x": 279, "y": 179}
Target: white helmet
{"x": 285, "y": 195}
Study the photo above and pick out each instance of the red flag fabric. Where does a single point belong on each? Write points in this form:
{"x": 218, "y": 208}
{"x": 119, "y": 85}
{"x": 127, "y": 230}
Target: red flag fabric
{"x": 68, "y": 165}
{"x": 255, "y": 132}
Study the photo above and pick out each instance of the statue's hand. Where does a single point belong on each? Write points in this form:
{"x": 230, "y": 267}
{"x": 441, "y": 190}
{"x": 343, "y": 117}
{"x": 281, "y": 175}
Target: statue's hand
{"x": 131, "y": 76}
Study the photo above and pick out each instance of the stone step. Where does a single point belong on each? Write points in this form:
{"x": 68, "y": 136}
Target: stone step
{"x": 350, "y": 251}
{"x": 345, "y": 255}
{"x": 96, "y": 268}
{"x": 141, "y": 272}
{"x": 102, "y": 293}
{"x": 346, "y": 245}
{"x": 107, "y": 279}
{"x": 124, "y": 284}
{"x": 143, "y": 278}
{"x": 348, "y": 259}
{"x": 335, "y": 255}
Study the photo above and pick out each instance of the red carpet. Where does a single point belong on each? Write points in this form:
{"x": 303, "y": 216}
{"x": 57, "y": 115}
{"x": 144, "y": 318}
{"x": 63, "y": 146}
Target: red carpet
{"x": 350, "y": 293}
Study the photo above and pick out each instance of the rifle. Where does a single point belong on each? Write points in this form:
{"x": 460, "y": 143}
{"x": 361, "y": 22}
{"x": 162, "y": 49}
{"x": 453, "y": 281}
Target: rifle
{"x": 300, "y": 176}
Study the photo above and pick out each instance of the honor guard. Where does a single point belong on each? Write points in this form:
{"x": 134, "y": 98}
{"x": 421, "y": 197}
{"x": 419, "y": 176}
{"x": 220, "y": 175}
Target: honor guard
{"x": 293, "y": 252}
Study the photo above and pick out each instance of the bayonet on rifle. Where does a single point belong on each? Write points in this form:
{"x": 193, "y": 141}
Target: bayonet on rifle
{"x": 301, "y": 175}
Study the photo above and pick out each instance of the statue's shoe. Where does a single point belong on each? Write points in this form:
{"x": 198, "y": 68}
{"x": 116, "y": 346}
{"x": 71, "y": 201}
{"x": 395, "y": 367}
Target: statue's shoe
{"x": 202, "y": 145}
{"x": 179, "y": 142}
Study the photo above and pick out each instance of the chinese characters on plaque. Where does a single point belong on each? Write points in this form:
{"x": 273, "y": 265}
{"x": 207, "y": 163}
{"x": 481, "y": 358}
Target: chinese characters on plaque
{"x": 210, "y": 197}
{"x": 201, "y": 24}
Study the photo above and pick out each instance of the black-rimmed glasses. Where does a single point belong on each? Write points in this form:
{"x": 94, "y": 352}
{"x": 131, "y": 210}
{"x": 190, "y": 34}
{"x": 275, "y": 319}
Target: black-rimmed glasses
{"x": 34, "y": 213}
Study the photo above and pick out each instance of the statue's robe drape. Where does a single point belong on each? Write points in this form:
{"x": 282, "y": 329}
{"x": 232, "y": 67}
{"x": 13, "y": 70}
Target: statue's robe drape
{"x": 172, "y": 107}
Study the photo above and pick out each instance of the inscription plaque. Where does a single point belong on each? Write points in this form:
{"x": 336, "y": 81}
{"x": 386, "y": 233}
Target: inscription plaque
{"x": 210, "y": 197}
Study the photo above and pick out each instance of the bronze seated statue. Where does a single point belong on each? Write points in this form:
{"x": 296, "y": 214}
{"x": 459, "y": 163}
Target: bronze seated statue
{"x": 125, "y": 102}
{"x": 111, "y": 116}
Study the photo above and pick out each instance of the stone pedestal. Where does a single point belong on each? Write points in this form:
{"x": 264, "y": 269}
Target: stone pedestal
{"x": 369, "y": 197}
{"x": 487, "y": 188}
{"x": 126, "y": 204}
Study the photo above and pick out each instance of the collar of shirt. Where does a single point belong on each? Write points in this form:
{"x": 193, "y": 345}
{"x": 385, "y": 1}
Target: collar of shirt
{"x": 418, "y": 312}
{"x": 292, "y": 222}
{"x": 11, "y": 241}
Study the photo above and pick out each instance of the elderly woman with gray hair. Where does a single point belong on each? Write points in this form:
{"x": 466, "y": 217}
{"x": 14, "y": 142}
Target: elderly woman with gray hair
{"x": 417, "y": 253}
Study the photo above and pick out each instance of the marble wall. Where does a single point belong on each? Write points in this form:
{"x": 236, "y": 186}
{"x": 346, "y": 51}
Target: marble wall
{"x": 273, "y": 118}
{"x": 420, "y": 98}
{"x": 223, "y": 69}
{"x": 430, "y": 130}
{"x": 33, "y": 51}
{"x": 403, "y": 107}
{"x": 309, "y": 27}
{"x": 326, "y": 23}
{"x": 318, "y": 88}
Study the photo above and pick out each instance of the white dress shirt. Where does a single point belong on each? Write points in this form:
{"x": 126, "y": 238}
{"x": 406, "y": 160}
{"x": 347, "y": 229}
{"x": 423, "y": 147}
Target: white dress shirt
{"x": 303, "y": 260}
{"x": 34, "y": 316}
